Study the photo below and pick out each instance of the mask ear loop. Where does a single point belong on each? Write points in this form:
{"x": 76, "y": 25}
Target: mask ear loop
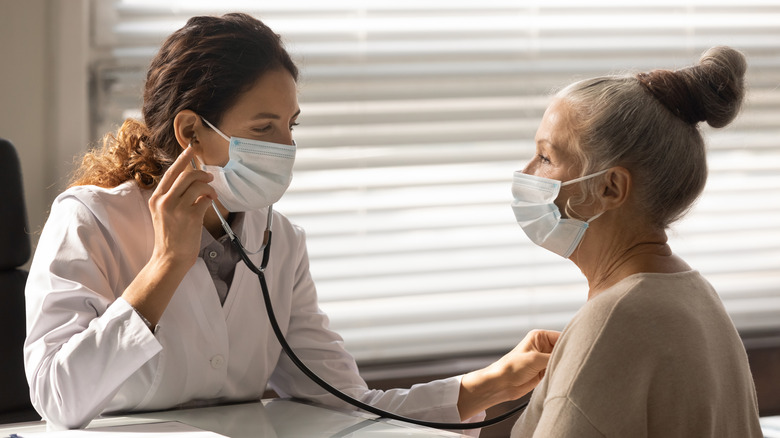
{"x": 583, "y": 178}
{"x": 226, "y": 225}
{"x": 595, "y": 217}
{"x": 221, "y": 134}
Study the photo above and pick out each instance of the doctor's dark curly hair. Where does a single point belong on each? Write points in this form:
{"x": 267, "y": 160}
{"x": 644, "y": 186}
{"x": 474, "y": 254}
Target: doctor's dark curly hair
{"x": 203, "y": 67}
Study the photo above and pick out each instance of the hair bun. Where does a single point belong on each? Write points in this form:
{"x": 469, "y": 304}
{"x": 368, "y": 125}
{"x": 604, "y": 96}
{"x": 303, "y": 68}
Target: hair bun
{"x": 710, "y": 91}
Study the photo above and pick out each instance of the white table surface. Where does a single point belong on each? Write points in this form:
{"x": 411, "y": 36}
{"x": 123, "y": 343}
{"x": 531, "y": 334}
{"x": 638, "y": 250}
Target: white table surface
{"x": 771, "y": 427}
{"x": 272, "y": 418}
{"x": 283, "y": 418}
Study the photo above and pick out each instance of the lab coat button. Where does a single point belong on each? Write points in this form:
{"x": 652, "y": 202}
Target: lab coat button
{"x": 217, "y": 362}
{"x": 212, "y": 254}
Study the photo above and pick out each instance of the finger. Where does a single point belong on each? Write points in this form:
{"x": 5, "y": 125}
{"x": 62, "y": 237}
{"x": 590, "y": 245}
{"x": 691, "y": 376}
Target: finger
{"x": 181, "y": 164}
{"x": 543, "y": 340}
{"x": 551, "y": 337}
{"x": 185, "y": 181}
{"x": 538, "y": 361}
{"x": 201, "y": 193}
{"x": 530, "y": 363}
{"x": 188, "y": 192}
{"x": 202, "y": 204}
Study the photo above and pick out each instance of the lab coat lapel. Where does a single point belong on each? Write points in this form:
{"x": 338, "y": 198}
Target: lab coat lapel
{"x": 244, "y": 280}
{"x": 199, "y": 291}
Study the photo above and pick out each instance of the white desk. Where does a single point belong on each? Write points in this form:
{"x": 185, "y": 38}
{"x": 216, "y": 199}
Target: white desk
{"x": 771, "y": 426}
{"x": 273, "y": 418}
{"x": 282, "y": 418}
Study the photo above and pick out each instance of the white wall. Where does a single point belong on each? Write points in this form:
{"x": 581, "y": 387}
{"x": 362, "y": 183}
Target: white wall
{"x": 43, "y": 93}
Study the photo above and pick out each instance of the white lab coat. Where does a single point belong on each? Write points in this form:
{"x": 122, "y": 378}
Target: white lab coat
{"x": 88, "y": 352}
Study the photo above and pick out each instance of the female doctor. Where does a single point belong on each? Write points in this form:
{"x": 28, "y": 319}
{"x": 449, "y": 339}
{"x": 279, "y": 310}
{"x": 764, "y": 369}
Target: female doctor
{"x": 136, "y": 299}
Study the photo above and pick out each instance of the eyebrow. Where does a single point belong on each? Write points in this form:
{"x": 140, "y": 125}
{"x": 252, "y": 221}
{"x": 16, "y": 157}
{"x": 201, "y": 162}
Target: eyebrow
{"x": 552, "y": 145}
{"x": 259, "y": 116}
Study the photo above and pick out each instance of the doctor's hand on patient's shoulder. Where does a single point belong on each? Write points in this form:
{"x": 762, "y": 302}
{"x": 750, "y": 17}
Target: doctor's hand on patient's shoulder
{"x": 509, "y": 378}
{"x": 178, "y": 206}
{"x": 526, "y": 363}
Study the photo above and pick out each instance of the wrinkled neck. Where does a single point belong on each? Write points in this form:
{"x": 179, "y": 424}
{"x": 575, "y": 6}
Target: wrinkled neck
{"x": 611, "y": 254}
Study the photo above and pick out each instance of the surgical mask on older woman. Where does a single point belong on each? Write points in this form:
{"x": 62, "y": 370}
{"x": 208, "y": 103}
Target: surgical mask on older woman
{"x": 256, "y": 176}
{"x": 540, "y": 218}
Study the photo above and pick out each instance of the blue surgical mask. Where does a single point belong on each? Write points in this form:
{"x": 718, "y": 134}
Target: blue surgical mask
{"x": 539, "y": 217}
{"x": 256, "y": 176}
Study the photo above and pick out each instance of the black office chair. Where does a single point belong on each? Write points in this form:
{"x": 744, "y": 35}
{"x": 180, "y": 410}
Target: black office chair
{"x": 14, "y": 252}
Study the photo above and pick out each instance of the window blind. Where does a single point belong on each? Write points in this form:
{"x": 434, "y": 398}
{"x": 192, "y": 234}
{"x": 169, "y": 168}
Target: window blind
{"x": 414, "y": 116}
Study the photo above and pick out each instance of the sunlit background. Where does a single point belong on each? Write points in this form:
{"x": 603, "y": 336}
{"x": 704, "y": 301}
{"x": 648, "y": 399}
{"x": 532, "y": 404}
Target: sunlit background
{"x": 416, "y": 113}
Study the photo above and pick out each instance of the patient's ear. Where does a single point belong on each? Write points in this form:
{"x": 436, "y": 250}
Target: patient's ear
{"x": 617, "y": 187}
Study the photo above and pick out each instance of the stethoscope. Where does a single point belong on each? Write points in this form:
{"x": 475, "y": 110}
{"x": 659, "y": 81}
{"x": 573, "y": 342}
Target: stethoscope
{"x": 260, "y": 271}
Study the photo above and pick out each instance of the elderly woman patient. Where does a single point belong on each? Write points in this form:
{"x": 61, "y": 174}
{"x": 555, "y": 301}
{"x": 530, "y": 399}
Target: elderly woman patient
{"x": 653, "y": 352}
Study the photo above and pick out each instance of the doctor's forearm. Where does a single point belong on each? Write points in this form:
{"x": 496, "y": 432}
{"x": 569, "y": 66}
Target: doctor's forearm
{"x": 480, "y": 390}
{"x": 509, "y": 378}
{"x": 153, "y": 287}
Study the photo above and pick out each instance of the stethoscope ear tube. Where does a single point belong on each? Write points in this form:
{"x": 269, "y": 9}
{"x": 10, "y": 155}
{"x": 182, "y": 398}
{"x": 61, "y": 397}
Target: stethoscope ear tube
{"x": 325, "y": 385}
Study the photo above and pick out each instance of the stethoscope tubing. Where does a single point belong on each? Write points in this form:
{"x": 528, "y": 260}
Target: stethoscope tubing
{"x": 260, "y": 272}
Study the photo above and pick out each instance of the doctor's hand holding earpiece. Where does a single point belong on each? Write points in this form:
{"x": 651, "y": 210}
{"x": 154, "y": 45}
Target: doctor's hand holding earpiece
{"x": 177, "y": 208}
{"x": 138, "y": 301}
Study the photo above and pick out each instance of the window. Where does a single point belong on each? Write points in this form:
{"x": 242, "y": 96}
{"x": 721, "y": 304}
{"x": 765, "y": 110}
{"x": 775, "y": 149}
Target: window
{"x": 414, "y": 116}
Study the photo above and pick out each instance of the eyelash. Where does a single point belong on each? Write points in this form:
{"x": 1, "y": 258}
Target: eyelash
{"x": 267, "y": 128}
{"x": 544, "y": 159}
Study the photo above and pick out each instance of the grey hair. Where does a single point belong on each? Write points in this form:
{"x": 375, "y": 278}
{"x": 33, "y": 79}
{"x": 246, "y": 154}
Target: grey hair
{"x": 648, "y": 123}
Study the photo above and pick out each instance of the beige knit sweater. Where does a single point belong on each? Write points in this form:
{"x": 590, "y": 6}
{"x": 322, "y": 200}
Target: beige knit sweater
{"x": 654, "y": 356}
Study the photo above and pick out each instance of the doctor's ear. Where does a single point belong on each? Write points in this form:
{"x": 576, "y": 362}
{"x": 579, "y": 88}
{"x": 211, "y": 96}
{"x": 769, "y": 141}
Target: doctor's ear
{"x": 186, "y": 125}
{"x": 617, "y": 187}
